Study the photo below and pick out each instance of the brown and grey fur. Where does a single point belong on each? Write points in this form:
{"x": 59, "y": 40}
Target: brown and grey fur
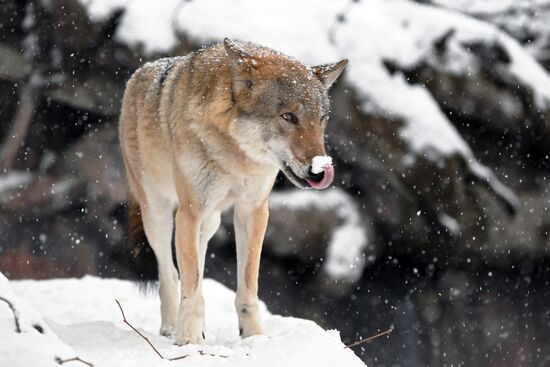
{"x": 203, "y": 132}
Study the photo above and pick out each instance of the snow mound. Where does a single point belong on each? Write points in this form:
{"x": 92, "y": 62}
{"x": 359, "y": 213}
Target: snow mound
{"x": 82, "y": 319}
{"x": 26, "y": 339}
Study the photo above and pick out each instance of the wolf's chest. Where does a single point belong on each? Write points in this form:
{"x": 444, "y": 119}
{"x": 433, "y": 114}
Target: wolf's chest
{"x": 226, "y": 191}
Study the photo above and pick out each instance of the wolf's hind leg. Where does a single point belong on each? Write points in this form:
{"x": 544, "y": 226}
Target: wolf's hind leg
{"x": 158, "y": 222}
{"x": 209, "y": 227}
{"x": 250, "y": 224}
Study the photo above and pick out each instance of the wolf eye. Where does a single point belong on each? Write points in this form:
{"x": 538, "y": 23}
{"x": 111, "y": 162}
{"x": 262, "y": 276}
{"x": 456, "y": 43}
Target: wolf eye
{"x": 290, "y": 117}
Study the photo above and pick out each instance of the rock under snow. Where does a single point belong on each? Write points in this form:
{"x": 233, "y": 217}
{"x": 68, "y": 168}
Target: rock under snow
{"x": 348, "y": 242}
{"x": 82, "y": 319}
{"x": 410, "y": 32}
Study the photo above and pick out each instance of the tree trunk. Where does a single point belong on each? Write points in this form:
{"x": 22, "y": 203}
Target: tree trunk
{"x": 15, "y": 139}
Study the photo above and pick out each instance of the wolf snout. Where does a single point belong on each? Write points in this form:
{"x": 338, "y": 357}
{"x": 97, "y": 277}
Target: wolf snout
{"x": 315, "y": 176}
{"x": 320, "y": 173}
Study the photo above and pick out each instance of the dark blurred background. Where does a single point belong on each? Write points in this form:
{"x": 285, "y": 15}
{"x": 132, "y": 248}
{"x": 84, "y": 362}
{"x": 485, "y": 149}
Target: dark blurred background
{"x": 428, "y": 248}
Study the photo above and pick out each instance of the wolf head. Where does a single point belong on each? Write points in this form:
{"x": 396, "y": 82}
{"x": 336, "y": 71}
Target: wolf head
{"x": 282, "y": 109}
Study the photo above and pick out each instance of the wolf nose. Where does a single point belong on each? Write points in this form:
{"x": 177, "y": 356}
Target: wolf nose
{"x": 315, "y": 176}
{"x": 321, "y": 172}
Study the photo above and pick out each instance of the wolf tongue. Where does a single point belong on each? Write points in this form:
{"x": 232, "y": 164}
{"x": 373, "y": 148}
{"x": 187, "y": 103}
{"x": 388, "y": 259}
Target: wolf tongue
{"x": 326, "y": 181}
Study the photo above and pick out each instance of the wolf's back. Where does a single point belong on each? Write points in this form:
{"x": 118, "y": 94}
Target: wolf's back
{"x": 140, "y": 104}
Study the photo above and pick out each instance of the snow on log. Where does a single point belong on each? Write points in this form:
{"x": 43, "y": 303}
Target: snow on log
{"x": 345, "y": 255}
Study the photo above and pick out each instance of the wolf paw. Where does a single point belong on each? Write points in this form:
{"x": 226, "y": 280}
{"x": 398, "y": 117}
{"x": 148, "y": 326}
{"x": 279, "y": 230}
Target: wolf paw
{"x": 249, "y": 328}
{"x": 167, "y": 331}
{"x": 184, "y": 340}
{"x": 249, "y": 319}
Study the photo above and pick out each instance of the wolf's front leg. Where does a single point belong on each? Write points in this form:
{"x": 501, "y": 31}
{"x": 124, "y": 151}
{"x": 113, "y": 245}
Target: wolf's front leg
{"x": 250, "y": 224}
{"x": 189, "y": 328}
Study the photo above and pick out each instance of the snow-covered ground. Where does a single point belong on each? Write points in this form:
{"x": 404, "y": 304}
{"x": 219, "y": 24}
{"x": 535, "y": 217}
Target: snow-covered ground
{"x": 67, "y": 318}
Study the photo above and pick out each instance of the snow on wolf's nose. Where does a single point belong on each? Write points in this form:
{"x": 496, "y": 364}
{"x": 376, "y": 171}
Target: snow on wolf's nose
{"x": 322, "y": 164}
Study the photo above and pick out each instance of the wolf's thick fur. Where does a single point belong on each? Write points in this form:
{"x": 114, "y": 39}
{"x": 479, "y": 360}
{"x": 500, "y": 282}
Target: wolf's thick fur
{"x": 205, "y": 131}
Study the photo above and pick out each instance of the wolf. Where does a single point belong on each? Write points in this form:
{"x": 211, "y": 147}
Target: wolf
{"x": 210, "y": 130}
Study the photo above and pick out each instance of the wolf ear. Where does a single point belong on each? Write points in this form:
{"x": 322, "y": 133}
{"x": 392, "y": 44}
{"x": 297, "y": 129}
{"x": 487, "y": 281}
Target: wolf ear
{"x": 235, "y": 52}
{"x": 328, "y": 73}
{"x": 242, "y": 63}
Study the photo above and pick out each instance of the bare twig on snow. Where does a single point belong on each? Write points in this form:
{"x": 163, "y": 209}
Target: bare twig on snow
{"x": 202, "y": 353}
{"x": 15, "y": 314}
{"x": 75, "y": 359}
{"x": 366, "y": 340}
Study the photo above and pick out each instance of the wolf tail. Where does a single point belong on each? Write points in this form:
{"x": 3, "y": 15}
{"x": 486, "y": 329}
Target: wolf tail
{"x": 143, "y": 263}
